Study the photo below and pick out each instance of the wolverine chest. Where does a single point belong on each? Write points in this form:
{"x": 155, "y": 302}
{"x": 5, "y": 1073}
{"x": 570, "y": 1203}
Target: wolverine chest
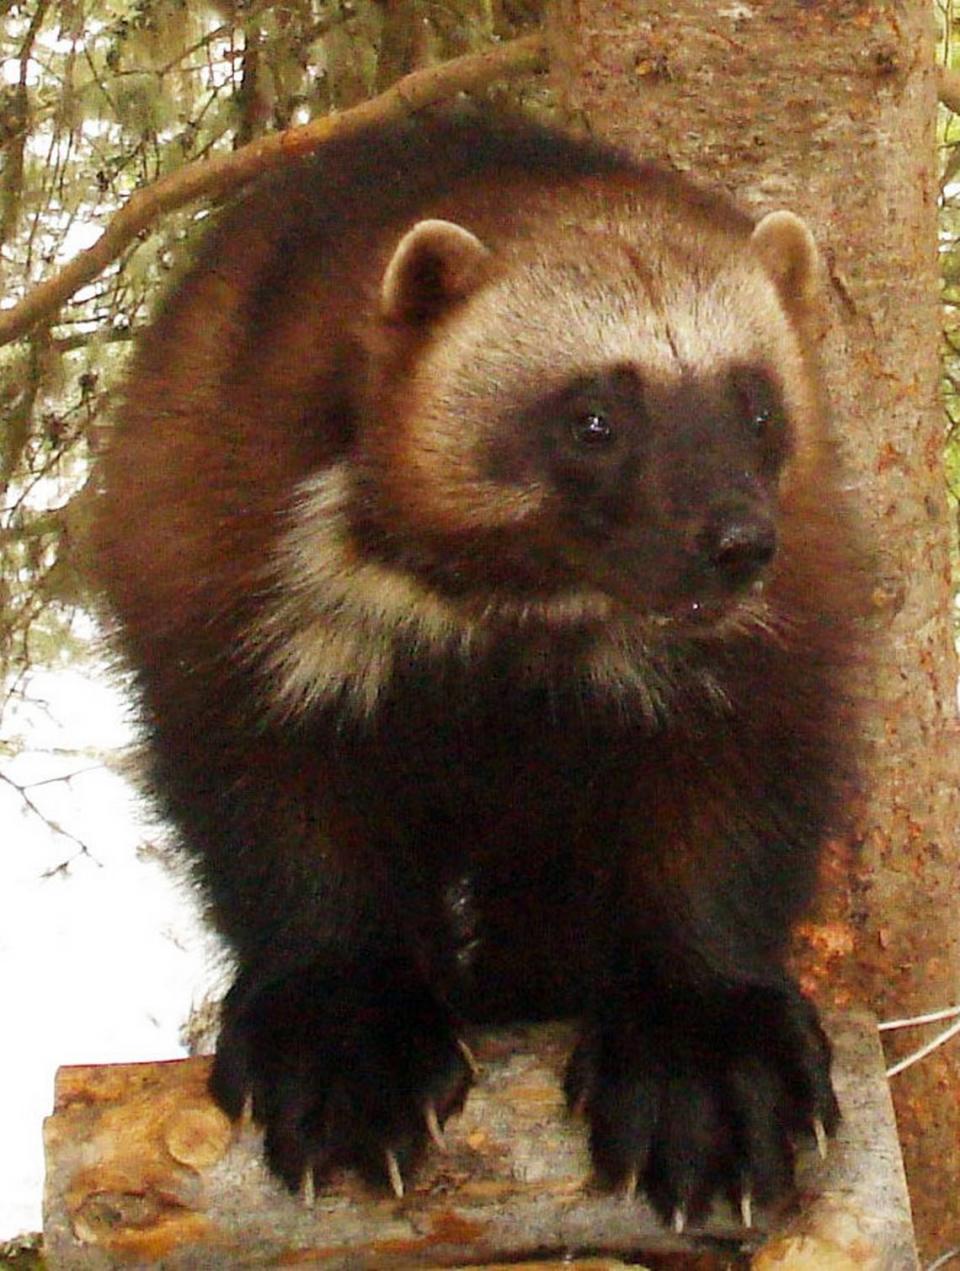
{"x": 483, "y": 769}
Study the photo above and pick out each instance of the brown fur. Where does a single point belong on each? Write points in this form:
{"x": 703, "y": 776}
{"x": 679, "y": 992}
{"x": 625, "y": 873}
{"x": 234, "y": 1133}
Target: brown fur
{"x": 476, "y": 539}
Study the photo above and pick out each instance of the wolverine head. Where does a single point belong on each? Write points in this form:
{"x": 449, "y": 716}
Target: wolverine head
{"x": 607, "y": 408}
{"x": 583, "y": 434}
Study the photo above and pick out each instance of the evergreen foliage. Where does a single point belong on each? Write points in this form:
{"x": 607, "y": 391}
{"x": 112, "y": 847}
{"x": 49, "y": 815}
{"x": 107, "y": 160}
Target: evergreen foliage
{"x": 99, "y": 99}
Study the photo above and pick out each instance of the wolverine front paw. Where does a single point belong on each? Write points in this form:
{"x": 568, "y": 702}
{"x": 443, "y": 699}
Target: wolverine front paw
{"x": 343, "y": 1065}
{"x": 705, "y": 1098}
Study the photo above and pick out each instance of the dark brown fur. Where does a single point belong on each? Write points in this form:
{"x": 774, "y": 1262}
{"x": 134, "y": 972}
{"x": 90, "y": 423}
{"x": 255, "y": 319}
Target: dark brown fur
{"x": 489, "y": 600}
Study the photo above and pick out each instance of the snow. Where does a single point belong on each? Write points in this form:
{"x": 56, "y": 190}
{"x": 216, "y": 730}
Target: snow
{"x": 100, "y": 960}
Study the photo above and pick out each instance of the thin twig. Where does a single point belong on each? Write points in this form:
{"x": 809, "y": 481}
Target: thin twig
{"x": 66, "y": 778}
{"x": 51, "y": 825}
{"x": 938, "y": 1041}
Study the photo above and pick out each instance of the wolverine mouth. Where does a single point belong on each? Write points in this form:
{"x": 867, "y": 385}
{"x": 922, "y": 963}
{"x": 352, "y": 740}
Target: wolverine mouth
{"x": 691, "y": 616}
{"x": 703, "y": 614}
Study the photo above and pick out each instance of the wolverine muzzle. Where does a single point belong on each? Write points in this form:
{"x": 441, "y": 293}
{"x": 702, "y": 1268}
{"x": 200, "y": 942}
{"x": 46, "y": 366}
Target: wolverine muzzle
{"x": 737, "y": 543}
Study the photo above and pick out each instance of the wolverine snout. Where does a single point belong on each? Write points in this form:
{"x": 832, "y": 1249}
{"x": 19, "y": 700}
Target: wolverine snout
{"x": 737, "y": 543}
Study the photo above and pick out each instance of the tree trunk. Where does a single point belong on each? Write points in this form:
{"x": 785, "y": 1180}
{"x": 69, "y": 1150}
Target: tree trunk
{"x": 829, "y": 110}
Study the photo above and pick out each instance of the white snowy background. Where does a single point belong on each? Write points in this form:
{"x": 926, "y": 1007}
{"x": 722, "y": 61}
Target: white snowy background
{"x": 101, "y": 953}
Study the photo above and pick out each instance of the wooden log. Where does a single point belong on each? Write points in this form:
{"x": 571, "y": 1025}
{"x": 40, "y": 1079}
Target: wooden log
{"x": 144, "y": 1171}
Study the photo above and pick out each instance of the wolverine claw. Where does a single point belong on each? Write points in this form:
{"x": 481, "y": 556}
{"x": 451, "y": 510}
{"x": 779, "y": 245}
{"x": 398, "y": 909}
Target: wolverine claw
{"x": 308, "y": 1189}
{"x": 434, "y": 1128}
{"x": 246, "y": 1112}
{"x": 746, "y": 1209}
{"x": 393, "y": 1173}
{"x": 820, "y": 1134}
{"x": 679, "y": 1220}
{"x": 469, "y": 1057}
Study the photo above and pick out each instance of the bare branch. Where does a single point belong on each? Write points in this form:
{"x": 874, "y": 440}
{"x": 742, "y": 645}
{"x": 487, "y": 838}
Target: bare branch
{"x": 218, "y": 175}
{"x": 53, "y": 826}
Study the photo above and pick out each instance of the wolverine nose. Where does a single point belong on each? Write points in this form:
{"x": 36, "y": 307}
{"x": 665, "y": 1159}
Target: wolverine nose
{"x": 738, "y": 544}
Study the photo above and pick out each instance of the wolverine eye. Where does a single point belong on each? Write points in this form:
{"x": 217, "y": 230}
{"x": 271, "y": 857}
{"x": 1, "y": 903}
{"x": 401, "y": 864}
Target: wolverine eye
{"x": 592, "y": 429}
{"x": 760, "y": 421}
{"x": 759, "y": 404}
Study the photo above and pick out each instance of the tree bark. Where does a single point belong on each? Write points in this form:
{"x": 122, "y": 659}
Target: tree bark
{"x": 829, "y": 110}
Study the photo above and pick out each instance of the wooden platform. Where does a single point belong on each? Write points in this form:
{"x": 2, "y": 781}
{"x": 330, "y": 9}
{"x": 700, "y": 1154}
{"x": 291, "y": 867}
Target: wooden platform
{"x": 143, "y": 1171}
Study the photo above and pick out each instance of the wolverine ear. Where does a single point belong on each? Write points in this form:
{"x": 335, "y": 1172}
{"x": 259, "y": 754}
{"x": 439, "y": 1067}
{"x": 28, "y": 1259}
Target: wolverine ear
{"x": 435, "y": 263}
{"x": 789, "y": 254}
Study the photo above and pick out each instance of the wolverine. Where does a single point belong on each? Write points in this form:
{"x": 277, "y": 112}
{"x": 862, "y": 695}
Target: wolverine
{"x": 478, "y": 549}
